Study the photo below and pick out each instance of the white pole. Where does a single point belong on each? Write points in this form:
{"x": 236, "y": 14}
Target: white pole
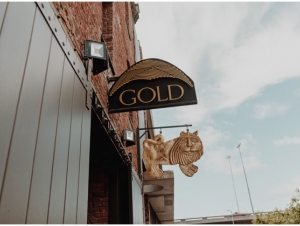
{"x": 231, "y": 216}
{"x": 245, "y": 177}
{"x": 233, "y": 185}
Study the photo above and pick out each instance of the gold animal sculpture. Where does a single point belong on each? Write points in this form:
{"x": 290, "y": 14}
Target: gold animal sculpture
{"x": 183, "y": 150}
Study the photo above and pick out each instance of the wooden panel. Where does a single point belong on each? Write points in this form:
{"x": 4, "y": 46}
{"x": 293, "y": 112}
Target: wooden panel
{"x": 82, "y": 208}
{"x": 3, "y": 6}
{"x": 16, "y": 185}
{"x": 13, "y": 54}
{"x": 59, "y": 174}
{"x": 70, "y": 216}
{"x": 42, "y": 171}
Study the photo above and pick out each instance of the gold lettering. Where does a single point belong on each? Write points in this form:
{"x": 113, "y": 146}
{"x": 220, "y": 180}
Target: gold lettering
{"x": 170, "y": 92}
{"x": 121, "y": 97}
{"x": 139, "y": 95}
{"x": 158, "y": 94}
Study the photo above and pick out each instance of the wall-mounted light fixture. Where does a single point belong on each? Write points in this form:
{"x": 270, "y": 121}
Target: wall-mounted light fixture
{"x": 128, "y": 137}
{"x": 98, "y": 52}
{"x": 94, "y": 49}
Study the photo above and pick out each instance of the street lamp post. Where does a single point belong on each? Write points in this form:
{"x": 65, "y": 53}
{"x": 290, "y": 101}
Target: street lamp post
{"x": 231, "y": 216}
{"x": 239, "y": 147}
{"x": 233, "y": 185}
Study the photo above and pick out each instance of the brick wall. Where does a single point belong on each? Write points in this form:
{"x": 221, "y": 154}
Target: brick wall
{"x": 146, "y": 209}
{"x": 113, "y": 21}
{"x": 81, "y": 21}
{"x": 98, "y": 195}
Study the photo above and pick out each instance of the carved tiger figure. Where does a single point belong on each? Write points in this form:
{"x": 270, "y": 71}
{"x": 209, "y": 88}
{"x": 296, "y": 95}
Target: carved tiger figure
{"x": 183, "y": 150}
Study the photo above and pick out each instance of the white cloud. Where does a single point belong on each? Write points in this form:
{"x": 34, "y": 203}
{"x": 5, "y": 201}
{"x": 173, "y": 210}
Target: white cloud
{"x": 211, "y": 136}
{"x": 192, "y": 114}
{"x": 262, "y": 111}
{"x": 216, "y": 161}
{"x": 245, "y": 49}
{"x": 232, "y": 51}
{"x": 287, "y": 141}
{"x": 286, "y": 187}
{"x": 280, "y": 196}
{"x": 268, "y": 56}
{"x": 215, "y": 158}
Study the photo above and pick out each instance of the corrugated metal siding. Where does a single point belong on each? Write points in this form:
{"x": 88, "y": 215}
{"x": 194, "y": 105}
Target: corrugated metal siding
{"x": 59, "y": 173}
{"x": 137, "y": 200}
{"x": 45, "y": 125}
{"x": 137, "y": 194}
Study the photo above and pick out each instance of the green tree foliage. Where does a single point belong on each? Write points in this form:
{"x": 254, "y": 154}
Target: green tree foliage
{"x": 291, "y": 215}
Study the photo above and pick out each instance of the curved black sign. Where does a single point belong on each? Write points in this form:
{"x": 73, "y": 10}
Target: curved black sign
{"x": 150, "y": 84}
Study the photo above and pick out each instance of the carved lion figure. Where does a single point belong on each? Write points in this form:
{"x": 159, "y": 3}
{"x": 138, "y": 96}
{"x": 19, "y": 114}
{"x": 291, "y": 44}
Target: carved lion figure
{"x": 183, "y": 150}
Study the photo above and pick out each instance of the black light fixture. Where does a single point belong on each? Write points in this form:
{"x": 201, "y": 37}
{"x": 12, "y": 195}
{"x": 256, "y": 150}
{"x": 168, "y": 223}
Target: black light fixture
{"x": 98, "y": 52}
{"x": 112, "y": 79}
{"x": 98, "y": 107}
{"x": 128, "y": 137}
{"x": 105, "y": 121}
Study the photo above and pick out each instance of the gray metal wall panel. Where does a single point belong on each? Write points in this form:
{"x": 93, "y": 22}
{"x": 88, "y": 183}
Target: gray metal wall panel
{"x": 70, "y": 216}
{"x": 3, "y": 6}
{"x": 42, "y": 168}
{"x": 84, "y": 166}
{"x": 44, "y": 149}
{"x": 19, "y": 20}
{"x": 16, "y": 186}
{"x": 137, "y": 203}
{"x": 59, "y": 174}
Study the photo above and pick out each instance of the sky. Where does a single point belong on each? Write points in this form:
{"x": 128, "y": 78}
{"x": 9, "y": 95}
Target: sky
{"x": 244, "y": 59}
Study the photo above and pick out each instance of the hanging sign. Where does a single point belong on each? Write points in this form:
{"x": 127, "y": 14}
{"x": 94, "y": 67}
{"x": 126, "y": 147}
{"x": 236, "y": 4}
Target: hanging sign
{"x": 183, "y": 150}
{"x": 151, "y": 84}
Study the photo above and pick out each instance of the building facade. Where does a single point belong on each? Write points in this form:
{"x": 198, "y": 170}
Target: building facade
{"x": 62, "y": 156}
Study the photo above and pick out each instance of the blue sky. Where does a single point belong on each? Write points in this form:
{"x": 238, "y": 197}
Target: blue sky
{"x": 245, "y": 61}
